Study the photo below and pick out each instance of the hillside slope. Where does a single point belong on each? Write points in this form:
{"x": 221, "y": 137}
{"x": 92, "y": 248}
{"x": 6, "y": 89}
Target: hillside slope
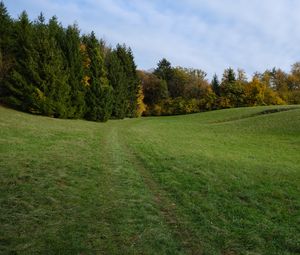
{"x": 221, "y": 182}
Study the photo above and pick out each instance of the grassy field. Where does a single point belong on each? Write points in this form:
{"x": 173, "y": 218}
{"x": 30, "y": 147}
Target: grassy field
{"x": 222, "y": 182}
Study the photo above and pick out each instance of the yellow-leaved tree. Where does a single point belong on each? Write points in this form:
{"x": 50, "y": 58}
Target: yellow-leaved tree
{"x": 140, "y": 106}
{"x": 255, "y": 92}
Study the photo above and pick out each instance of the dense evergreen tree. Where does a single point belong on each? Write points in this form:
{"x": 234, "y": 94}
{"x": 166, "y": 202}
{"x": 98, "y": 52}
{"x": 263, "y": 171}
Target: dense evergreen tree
{"x": 75, "y": 68}
{"x": 134, "y": 85}
{"x": 215, "y": 84}
{"x": 18, "y": 86}
{"x": 117, "y": 78}
{"x": 228, "y": 76}
{"x": 231, "y": 91}
{"x": 164, "y": 70}
{"x": 52, "y": 97}
{"x": 6, "y": 42}
{"x": 5, "y": 28}
{"x": 131, "y": 79}
{"x": 99, "y": 95}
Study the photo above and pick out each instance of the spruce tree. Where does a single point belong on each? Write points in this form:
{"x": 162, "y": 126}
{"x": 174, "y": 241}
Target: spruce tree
{"x": 231, "y": 89}
{"x": 99, "y": 95}
{"x": 6, "y": 42}
{"x": 5, "y": 26}
{"x": 133, "y": 87}
{"x": 164, "y": 70}
{"x": 117, "y": 77}
{"x": 19, "y": 86}
{"x": 131, "y": 79}
{"x": 52, "y": 96}
{"x": 215, "y": 84}
{"x": 74, "y": 62}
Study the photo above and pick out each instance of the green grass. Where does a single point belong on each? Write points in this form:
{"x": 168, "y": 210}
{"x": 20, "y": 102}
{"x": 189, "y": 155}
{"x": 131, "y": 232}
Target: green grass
{"x": 221, "y": 182}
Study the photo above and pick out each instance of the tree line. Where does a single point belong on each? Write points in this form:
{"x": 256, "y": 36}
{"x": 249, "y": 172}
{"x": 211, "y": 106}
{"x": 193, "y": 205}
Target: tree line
{"x": 55, "y": 71}
{"x": 176, "y": 90}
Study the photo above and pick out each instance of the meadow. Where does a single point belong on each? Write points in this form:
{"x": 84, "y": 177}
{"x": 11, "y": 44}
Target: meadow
{"x": 219, "y": 182}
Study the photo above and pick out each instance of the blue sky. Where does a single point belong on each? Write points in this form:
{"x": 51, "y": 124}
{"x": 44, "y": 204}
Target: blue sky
{"x": 211, "y": 35}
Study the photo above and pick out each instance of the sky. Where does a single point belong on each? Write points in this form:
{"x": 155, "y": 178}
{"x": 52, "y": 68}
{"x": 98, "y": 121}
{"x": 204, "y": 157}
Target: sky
{"x": 211, "y": 35}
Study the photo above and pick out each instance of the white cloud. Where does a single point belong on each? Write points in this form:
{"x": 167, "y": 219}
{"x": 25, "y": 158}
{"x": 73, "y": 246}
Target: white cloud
{"x": 212, "y": 35}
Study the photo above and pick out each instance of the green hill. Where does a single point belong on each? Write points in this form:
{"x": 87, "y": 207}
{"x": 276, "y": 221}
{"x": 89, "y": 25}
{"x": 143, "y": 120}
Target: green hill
{"x": 221, "y": 182}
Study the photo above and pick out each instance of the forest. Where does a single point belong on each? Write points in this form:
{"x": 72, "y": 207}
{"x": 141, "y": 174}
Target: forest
{"x": 52, "y": 70}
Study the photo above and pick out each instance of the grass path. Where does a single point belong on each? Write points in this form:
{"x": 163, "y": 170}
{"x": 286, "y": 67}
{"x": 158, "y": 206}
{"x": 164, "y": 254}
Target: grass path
{"x": 138, "y": 203}
{"x": 167, "y": 207}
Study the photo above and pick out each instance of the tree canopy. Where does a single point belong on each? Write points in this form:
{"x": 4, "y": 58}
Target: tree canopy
{"x": 55, "y": 71}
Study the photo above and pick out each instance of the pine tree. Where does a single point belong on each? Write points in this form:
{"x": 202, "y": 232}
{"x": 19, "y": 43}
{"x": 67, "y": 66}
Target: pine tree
{"x": 19, "y": 86}
{"x": 74, "y": 60}
{"x": 6, "y": 42}
{"x": 231, "y": 89}
{"x": 131, "y": 79}
{"x": 228, "y": 76}
{"x": 99, "y": 96}
{"x": 6, "y": 30}
{"x": 133, "y": 87}
{"x": 52, "y": 97}
{"x": 164, "y": 70}
{"x": 5, "y": 23}
{"x": 215, "y": 84}
{"x": 117, "y": 77}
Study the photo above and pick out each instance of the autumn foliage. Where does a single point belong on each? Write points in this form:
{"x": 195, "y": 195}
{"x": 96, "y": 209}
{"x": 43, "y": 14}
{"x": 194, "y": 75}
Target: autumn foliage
{"x": 55, "y": 71}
